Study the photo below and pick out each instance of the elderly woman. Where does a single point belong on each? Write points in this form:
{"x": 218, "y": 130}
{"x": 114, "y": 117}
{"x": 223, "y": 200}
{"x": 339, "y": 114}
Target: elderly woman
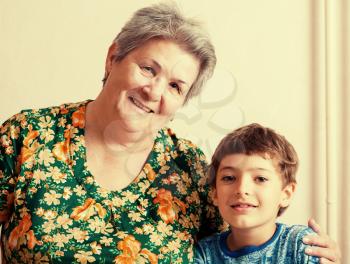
{"x": 104, "y": 181}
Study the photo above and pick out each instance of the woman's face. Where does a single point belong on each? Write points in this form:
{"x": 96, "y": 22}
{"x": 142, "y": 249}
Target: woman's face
{"x": 147, "y": 87}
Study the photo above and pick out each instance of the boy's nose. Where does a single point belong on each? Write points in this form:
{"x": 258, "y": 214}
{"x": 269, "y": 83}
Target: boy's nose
{"x": 243, "y": 186}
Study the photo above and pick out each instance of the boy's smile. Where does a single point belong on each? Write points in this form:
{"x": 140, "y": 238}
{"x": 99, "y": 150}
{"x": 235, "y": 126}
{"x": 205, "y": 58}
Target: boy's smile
{"x": 249, "y": 192}
{"x": 243, "y": 207}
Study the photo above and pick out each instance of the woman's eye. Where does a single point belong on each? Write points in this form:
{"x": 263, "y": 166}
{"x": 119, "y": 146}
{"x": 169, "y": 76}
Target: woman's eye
{"x": 261, "y": 179}
{"x": 175, "y": 86}
{"x": 148, "y": 70}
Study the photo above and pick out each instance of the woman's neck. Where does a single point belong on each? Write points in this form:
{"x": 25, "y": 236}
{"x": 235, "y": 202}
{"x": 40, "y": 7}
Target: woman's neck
{"x": 239, "y": 238}
{"x": 105, "y": 130}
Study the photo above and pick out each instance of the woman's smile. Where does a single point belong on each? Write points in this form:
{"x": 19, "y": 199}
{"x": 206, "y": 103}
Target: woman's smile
{"x": 140, "y": 105}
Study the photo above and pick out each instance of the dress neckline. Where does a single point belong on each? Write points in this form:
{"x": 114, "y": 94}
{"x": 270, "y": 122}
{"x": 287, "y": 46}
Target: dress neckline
{"x": 139, "y": 184}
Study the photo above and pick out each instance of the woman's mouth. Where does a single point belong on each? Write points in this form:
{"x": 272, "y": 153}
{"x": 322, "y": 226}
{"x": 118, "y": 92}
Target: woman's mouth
{"x": 140, "y": 105}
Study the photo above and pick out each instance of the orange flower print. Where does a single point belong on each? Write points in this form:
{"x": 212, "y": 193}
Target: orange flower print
{"x": 26, "y": 153}
{"x": 63, "y": 110}
{"x": 100, "y": 210}
{"x": 28, "y": 148}
{"x": 32, "y": 241}
{"x": 124, "y": 259}
{"x": 150, "y": 172}
{"x": 180, "y": 204}
{"x": 167, "y": 206}
{"x": 78, "y": 118}
{"x": 61, "y": 149}
{"x": 22, "y": 230}
{"x": 85, "y": 211}
{"x": 30, "y": 137}
{"x": 89, "y": 208}
{"x": 153, "y": 258}
{"x": 132, "y": 252}
{"x": 130, "y": 247}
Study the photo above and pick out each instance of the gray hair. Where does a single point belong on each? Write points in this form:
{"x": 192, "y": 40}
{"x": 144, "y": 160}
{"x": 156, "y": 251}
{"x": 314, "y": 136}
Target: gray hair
{"x": 165, "y": 21}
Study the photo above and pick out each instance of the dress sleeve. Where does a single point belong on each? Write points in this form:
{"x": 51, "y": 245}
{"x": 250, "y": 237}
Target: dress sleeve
{"x": 9, "y": 148}
{"x": 210, "y": 219}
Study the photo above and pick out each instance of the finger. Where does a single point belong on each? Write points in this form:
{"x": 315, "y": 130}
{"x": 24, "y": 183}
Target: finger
{"x": 326, "y": 261}
{"x": 314, "y": 226}
{"x": 316, "y": 240}
{"x": 325, "y": 253}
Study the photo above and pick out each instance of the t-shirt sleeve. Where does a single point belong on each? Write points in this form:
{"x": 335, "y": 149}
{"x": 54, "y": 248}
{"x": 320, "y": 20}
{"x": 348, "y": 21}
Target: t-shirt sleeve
{"x": 302, "y": 257}
{"x": 199, "y": 254}
{"x": 9, "y": 152}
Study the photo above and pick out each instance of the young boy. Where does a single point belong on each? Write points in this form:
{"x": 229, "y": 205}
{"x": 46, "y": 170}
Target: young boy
{"x": 253, "y": 174}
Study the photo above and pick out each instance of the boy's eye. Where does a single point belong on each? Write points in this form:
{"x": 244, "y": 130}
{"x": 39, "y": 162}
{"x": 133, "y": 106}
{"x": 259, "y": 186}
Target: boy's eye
{"x": 228, "y": 178}
{"x": 261, "y": 179}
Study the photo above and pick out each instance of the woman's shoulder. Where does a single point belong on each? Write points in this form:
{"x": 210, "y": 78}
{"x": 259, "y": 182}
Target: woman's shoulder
{"x": 34, "y": 116}
{"x": 53, "y": 111}
{"x": 183, "y": 145}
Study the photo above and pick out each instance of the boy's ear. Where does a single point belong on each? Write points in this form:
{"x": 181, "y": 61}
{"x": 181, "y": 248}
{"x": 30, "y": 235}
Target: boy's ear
{"x": 287, "y": 194}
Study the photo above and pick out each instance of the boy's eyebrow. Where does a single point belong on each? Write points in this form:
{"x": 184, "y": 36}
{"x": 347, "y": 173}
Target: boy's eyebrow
{"x": 263, "y": 169}
{"x": 250, "y": 169}
{"x": 228, "y": 168}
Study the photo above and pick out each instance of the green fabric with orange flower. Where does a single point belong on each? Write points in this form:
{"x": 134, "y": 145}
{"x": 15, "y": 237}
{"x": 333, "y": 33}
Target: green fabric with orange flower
{"x": 52, "y": 210}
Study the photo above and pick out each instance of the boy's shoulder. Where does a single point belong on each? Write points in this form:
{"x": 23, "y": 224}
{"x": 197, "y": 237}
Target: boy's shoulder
{"x": 210, "y": 240}
{"x": 285, "y": 234}
{"x": 290, "y": 244}
{"x": 285, "y": 246}
{"x": 209, "y": 249}
{"x": 294, "y": 232}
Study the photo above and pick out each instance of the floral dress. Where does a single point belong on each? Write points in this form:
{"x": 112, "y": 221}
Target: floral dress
{"x": 53, "y": 211}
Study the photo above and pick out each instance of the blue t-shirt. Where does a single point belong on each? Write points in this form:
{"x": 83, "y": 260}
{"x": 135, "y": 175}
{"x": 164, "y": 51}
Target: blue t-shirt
{"x": 285, "y": 246}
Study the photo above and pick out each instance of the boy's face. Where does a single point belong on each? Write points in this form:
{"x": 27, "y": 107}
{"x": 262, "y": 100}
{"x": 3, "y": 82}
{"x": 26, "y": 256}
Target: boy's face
{"x": 249, "y": 191}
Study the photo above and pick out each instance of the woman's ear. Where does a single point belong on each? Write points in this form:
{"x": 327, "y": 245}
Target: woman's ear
{"x": 287, "y": 194}
{"x": 112, "y": 51}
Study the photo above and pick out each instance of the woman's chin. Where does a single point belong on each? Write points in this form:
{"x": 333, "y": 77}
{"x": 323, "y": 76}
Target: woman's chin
{"x": 140, "y": 127}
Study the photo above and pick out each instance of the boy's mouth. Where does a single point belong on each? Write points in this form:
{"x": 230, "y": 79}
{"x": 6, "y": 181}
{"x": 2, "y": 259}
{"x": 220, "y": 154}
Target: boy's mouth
{"x": 243, "y": 205}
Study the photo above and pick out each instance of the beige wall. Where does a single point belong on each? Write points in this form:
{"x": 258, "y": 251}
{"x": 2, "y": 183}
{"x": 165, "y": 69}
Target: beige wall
{"x": 268, "y": 72}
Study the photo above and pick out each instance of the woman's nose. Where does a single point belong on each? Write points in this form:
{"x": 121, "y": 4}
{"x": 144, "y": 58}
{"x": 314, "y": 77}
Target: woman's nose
{"x": 155, "y": 89}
